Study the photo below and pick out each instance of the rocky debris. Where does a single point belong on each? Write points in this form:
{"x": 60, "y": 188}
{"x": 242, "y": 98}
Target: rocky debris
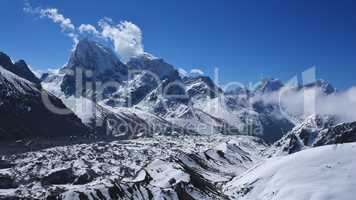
{"x": 170, "y": 167}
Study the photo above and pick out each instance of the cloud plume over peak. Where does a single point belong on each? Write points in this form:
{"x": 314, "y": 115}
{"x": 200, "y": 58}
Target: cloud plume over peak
{"x": 53, "y": 14}
{"x": 197, "y": 71}
{"x": 87, "y": 28}
{"x": 125, "y": 37}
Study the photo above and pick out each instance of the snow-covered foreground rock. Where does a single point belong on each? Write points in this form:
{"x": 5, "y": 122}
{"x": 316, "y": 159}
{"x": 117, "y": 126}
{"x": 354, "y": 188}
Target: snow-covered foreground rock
{"x": 314, "y": 131}
{"x": 162, "y": 167}
{"x": 321, "y": 173}
{"x": 180, "y": 167}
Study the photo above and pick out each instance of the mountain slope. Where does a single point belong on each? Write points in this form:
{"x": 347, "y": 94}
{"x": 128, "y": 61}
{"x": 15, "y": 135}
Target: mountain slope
{"x": 156, "y": 66}
{"x": 319, "y": 173}
{"x": 24, "y": 114}
{"x": 315, "y": 131}
{"x": 19, "y": 68}
{"x": 200, "y": 88}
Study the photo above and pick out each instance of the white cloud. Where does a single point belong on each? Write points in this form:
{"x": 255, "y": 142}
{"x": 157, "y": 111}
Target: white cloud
{"x": 126, "y": 36}
{"x": 196, "y": 71}
{"x": 52, "y": 13}
{"x": 182, "y": 72}
{"x": 303, "y": 103}
{"x": 88, "y": 28}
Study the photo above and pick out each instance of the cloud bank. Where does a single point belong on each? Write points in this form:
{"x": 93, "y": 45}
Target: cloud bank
{"x": 298, "y": 104}
{"x": 197, "y": 71}
{"x": 125, "y": 37}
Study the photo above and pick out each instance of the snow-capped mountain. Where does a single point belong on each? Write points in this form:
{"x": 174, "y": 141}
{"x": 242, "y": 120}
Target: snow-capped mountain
{"x": 92, "y": 62}
{"x": 155, "y": 86}
{"x": 314, "y": 131}
{"x": 268, "y": 85}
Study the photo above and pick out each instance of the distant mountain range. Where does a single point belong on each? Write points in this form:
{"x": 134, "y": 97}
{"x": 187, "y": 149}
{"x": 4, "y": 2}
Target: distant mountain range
{"x": 188, "y": 103}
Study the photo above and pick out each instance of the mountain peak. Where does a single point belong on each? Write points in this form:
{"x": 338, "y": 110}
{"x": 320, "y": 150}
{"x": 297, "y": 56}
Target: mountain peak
{"x": 19, "y": 68}
{"x": 324, "y": 85}
{"x": 157, "y": 66}
{"x": 93, "y": 55}
{"x": 201, "y": 86}
{"x": 5, "y": 60}
{"x": 21, "y": 63}
{"x": 269, "y": 85}
{"x": 85, "y": 44}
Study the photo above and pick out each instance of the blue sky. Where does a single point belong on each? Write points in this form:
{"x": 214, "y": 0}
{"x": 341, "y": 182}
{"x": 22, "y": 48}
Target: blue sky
{"x": 244, "y": 39}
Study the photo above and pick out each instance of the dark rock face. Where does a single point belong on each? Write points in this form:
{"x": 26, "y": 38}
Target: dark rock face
{"x": 88, "y": 176}
{"x": 6, "y": 182}
{"x": 5, "y": 60}
{"x": 19, "y": 68}
{"x": 156, "y": 66}
{"x": 274, "y": 126}
{"x": 32, "y": 119}
{"x": 5, "y": 164}
{"x": 23, "y": 113}
{"x": 60, "y": 177}
{"x": 22, "y": 70}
